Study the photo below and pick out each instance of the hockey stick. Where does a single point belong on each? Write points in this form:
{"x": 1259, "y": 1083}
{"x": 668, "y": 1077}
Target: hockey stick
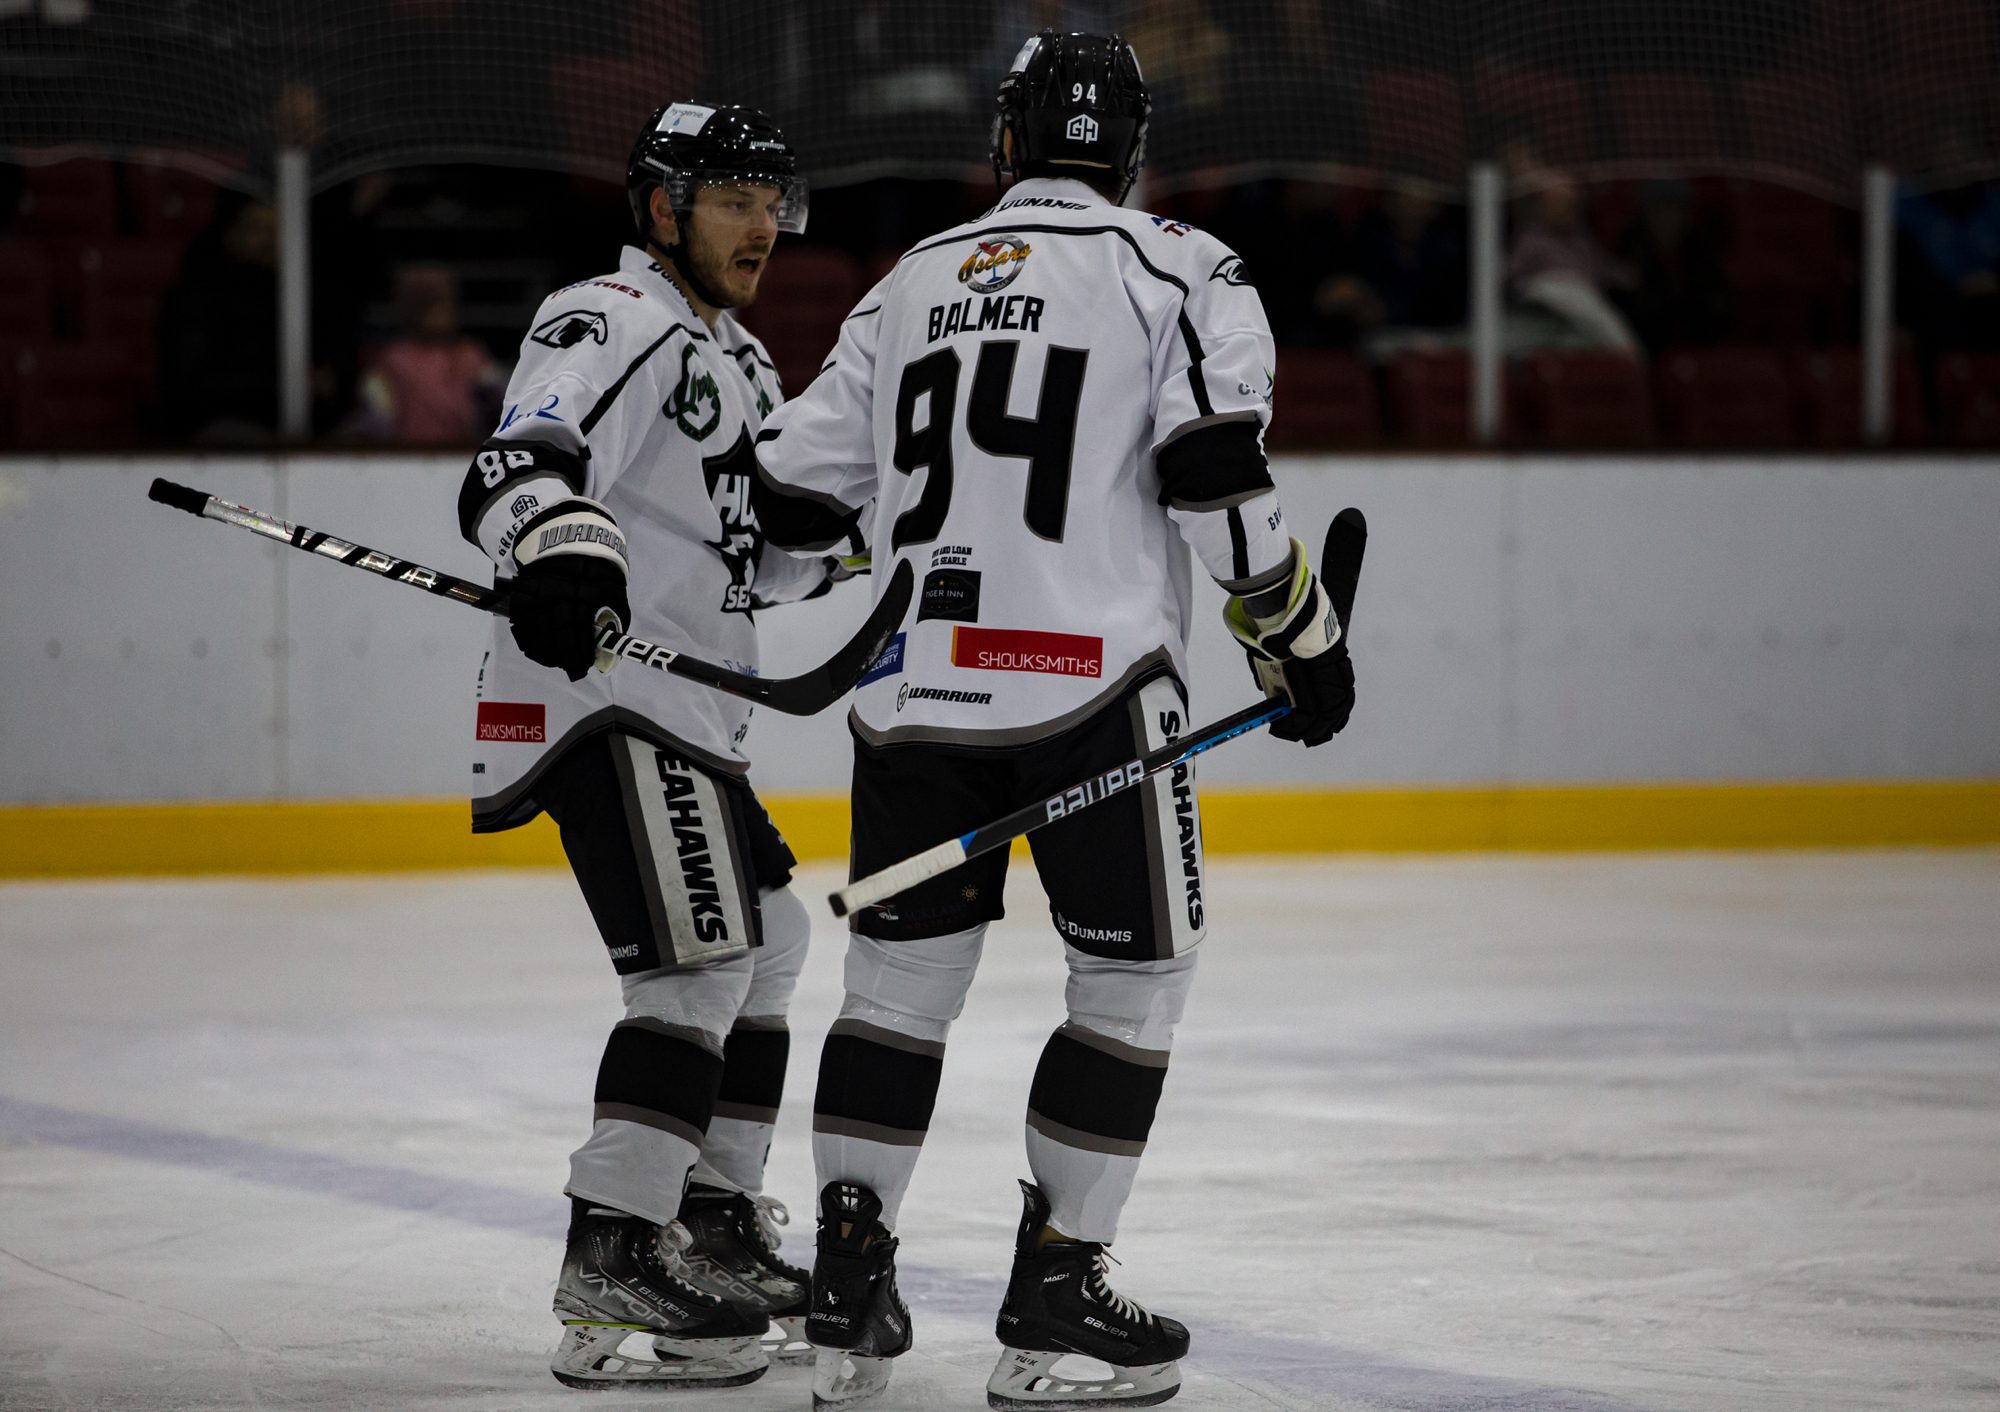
{"x": 804, "y": 695}
{"x": 1340, "y": 571}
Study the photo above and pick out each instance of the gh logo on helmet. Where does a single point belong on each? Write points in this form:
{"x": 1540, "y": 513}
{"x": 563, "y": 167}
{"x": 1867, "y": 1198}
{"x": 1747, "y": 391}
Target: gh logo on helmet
{"x": 1082, "y": 128}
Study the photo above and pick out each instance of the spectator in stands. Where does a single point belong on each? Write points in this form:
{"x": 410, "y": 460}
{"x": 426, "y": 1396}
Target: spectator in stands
{"x": 434, "y": 385}
{"x": 1679, "y": 293}
{"x": 1561, "y": 276}
{"x": 347, "y": 268}
{"x": 219, "y": 329}
{"x": 1182, "y": 50}
{"x": 1403, "y": 277}
{"x": 1950, "y": 265}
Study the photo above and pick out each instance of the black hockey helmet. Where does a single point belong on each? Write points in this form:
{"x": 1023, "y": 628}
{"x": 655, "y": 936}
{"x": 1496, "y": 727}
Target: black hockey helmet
{"x": 688, "y": 144}
{"x": 1076, "y": 104}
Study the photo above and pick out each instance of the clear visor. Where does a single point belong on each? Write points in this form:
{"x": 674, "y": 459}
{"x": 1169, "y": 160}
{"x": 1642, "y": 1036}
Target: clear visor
{"x": 746, "y": 200}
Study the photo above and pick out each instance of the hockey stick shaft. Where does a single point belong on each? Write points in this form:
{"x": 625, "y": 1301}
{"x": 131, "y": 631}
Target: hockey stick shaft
{"x": 948, "y": 855}
{"x": 798, "y": 696}
{"x": 1346, "y": 540}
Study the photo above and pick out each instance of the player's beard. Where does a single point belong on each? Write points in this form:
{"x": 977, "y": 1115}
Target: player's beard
{"x": 706, "y": 271}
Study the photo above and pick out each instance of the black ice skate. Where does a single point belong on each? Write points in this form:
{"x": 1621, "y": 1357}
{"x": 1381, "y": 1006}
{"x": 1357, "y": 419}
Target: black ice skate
{"x": 621, "y": 1276}
{"x": 858, "y": 1321}
{"x": 1059, "y": 1303}
{"x": 734, "y": 1256}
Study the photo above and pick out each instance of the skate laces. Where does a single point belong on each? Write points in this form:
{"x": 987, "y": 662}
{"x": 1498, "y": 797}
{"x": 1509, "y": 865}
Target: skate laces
{"x": 1099, "y": 1283}
{"x": 675, "y": 1238}
{"x": 771, "y": 1213}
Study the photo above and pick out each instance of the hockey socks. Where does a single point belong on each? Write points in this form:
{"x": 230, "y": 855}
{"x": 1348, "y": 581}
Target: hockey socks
{"x": 877, "y": 1089}
{"x": 655, "y": 1095}
{"x": 1090, "y": 1110}
{"x": 754, "y": 1059}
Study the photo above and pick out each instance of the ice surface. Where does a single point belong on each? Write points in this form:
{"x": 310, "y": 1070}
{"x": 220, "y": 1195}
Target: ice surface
{"x": 1600, "y": 1133}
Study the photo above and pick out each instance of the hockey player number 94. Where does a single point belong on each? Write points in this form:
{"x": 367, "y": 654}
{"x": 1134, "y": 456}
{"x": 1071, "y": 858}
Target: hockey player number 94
{"x": 1046, "y": 441}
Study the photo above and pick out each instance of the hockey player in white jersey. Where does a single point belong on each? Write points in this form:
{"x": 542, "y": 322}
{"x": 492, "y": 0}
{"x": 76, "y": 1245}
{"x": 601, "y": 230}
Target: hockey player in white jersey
{"x": 617, "y": 487}
{"x": 1045, "y": 407}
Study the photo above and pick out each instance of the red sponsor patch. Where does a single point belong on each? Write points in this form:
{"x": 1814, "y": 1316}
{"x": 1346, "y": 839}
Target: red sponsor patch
{"x": 523, "y": 721}
{"x": 1010, "y": 650}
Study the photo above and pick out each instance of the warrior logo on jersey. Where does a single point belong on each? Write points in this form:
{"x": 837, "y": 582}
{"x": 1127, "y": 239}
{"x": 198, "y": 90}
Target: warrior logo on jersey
{"x": 738, "y": 539}
{"x": 995, "y": 264}
{"x": 570, "y": 328}
{"x": 696, "y": 403}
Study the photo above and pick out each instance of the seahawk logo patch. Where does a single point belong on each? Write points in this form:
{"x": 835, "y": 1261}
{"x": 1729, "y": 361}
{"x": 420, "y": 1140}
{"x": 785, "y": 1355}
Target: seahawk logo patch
{"x": 570, "y": 328}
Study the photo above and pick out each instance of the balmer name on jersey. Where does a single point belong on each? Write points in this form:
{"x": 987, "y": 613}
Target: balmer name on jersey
{"x": 1008, "y": 395}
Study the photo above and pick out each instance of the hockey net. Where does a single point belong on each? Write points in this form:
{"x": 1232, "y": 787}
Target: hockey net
{"x": 1801, "y": 92}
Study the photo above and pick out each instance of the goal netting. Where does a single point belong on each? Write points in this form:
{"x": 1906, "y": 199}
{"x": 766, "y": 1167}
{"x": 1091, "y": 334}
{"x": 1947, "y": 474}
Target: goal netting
{"x": 1802, "y": 92}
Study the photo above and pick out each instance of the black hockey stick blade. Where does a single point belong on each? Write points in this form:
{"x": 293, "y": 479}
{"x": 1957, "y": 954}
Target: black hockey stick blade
{"x": 1340, "y": 560}
{"x": 811, "y": 692}
{"x": 804, "y": 695}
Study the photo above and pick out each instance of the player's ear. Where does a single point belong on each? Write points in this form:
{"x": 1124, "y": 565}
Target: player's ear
{"x": 666, "y": 231}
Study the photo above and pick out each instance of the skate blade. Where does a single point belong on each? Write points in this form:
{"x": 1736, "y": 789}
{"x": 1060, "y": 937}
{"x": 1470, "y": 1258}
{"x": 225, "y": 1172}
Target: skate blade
{"x": 588, "y": 1357}
{"x": 1027, "y": 1378}
{"x": 786, "y": 1342}
{"x": 841, "y": 1379}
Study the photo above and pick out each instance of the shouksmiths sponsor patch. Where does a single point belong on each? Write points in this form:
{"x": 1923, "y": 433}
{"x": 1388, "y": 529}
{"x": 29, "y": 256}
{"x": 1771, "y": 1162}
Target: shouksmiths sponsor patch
{"x": 525, "y": 722}
{"x": 888, "y": 664}
{"x": 1008, "y": 650}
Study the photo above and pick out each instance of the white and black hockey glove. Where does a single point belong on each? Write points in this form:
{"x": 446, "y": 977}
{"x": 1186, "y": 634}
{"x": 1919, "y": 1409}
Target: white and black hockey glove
{"x": 1298, "y": 653}
{"x": 569, "y": 582}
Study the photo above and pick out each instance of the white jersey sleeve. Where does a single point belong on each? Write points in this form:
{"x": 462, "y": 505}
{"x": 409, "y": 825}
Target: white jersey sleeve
{"x": 829, "y": 452}
{"x": 569, "y": 427}
{"x": 1213, "y": 386}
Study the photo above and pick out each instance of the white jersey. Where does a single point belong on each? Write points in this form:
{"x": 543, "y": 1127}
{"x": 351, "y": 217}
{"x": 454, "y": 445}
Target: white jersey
{"x": 1046, "y": 405}
{"x": 623, "y": 395}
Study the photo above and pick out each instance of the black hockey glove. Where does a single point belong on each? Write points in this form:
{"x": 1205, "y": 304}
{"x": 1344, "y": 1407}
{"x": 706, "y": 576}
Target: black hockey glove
{"x": 570, "y": 576}
{"x": 1298, "y": 653}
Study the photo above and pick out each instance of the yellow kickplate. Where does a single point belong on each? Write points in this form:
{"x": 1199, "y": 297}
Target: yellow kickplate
{"x": 333, "y": 836}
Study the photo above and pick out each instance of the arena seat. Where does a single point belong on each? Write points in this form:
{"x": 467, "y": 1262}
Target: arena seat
{"x": 1661, "y": 117}
{"x": 123, "y": 285}
{"x": 805, "y": 293}
{"x": 73, "y": 200}
{"x": 1416, "y": 123}
{"x": 1580, "y": 397}
{"x": 1325, "y": 401}
{"x": 1548, "y": 107}
{"x": 1826, "y": 390}
{"x": 69, "y": 394}
{"x": 1724, "y": 398}
{"x": 27, "y": 291}
{"x": 1968, "y": 392}
{"x": 1429, "y": 395}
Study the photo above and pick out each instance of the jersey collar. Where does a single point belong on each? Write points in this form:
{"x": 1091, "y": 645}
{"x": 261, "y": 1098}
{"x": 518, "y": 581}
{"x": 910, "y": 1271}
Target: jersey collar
{"x": 648, "y": 273}
{"x": 1056, "y": 188}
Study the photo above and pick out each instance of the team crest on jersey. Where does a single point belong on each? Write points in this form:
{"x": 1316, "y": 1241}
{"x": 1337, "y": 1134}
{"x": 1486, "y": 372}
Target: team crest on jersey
{"x": 696, "y": 403}
{"x": 738, "y": 539}
{"x": 995, "y": 264}
{"x": 570, "y": 328}
{"x": 1229, "y": 269}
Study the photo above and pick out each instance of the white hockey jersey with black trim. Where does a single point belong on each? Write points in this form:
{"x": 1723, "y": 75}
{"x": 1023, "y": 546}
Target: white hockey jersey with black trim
{"x": 623, "y": 388}
{"x": 1047, "y": 405}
